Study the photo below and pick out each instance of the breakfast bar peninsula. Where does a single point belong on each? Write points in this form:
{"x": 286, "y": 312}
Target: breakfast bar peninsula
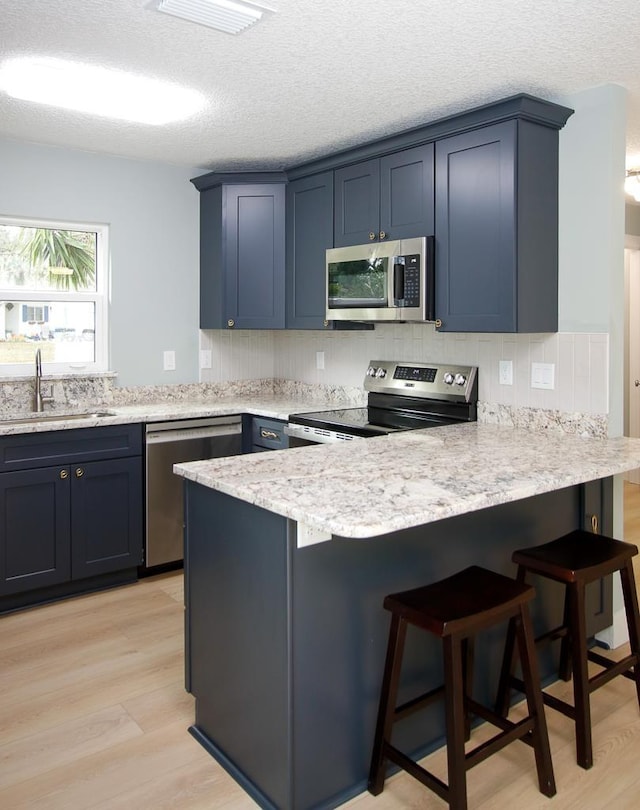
{"x": 289, "y": 554}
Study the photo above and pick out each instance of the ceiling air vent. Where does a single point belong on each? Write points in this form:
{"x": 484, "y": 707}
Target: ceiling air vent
{"x": 231, "y": 16}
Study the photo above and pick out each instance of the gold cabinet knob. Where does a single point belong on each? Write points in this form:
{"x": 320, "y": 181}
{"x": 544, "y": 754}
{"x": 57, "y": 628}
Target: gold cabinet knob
{"x": 64, "y": 474}
{"x": 383, "y": 234}
{"x": 231, "y": 323}
{"x": 372, "y": 236}
{"x": 79, "y": 472}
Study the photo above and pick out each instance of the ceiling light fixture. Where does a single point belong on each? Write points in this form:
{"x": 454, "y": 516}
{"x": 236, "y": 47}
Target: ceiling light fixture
{"x": 98, "y": 91}
{"x": 231, "y": 16}
{"x": 632, "y": 184}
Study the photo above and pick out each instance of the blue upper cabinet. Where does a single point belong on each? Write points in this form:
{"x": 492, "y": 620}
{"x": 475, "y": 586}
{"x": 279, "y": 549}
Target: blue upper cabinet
{"x": 309, "y": 234}
{"x": 391, "y": 197}
{"x": 497, "y": 229}
{"x": 242, "y": 251}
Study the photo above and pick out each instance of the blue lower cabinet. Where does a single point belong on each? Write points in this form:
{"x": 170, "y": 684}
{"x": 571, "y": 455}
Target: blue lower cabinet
{"x": 34, "y": 522}
{"x": 75, "y": 524}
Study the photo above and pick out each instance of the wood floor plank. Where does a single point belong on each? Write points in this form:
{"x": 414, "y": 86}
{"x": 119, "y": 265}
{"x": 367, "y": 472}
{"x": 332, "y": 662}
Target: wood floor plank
{"x": 31, "y": 757}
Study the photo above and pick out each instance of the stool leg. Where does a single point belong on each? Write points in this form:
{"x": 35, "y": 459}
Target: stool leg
{"x": 468, "y": 660}
{"x": 387, "y": 706}
{"x": 503, "y": 697}
{"x": 535, "y": 704}
{"x": 455, "y": 714}
{"x": 630, "y": 595}
{"x": 564, "y": 666}
{"x": 578, "y": 632}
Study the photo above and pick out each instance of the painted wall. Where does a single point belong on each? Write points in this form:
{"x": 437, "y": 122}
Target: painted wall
{"x": 152, "y": 213}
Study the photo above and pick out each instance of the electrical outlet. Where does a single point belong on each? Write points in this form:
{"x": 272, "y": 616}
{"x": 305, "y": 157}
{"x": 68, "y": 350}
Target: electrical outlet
{"x": 320, "y": 360}
{"x": 506, "y": 372}
{"x": 169, "y": 360}
{"x": 543, "y": 375}
{"x": 205, "y": 358}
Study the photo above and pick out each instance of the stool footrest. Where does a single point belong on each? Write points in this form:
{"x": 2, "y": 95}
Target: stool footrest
{"x": 424, "y": 776}
{"x": 553, "y": 635}
{"x": 550, "y": 700}
{"x": 559, "y": 705}
{"x": 611, "y": 668}
{"x": 417, "y": 703}
{"x": 517, "y": 731}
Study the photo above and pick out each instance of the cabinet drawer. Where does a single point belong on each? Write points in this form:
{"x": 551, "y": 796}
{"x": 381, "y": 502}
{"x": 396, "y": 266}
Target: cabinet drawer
{"x": 269, "y": 434}
{"x": 30, "y": 450}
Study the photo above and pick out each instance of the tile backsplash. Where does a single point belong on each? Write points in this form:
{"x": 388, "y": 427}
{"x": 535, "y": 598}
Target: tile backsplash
{"x": 580, "y": 360}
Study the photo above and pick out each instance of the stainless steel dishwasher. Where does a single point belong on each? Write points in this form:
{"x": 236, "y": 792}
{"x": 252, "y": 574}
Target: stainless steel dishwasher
{"x": 168, "y": 443}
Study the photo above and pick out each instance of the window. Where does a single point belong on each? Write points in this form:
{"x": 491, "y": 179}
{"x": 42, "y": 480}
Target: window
{"x": 53, "y": 282}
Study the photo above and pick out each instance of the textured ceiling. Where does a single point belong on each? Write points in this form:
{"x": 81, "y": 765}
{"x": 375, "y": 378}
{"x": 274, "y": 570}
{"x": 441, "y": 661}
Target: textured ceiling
{"x": 320, "y": 75}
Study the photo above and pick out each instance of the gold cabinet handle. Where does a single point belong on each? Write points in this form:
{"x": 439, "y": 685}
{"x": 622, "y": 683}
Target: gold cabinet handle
{"x": 383, "y": 234}
{"x": 438, "y": 323}
{"x": 268, "y": 434}
{"x": 231, "y": 323}
{"x": 79, "y": 472}
{"x": 372, "y": 236}
{"x": 64, "y": 474}
{"x": 325, "y": 323}
{"x": 594, "y": 524}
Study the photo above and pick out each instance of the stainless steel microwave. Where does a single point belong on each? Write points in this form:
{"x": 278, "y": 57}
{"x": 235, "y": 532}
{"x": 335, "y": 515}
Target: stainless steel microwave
{"x": 385, "y": 281}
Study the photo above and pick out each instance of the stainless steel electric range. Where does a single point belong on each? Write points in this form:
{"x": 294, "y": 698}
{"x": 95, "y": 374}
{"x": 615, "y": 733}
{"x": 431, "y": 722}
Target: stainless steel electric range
{"x": 401, "y": 396}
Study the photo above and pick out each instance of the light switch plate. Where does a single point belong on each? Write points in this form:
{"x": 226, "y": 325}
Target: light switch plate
{"x": 169, "y": 360}
{"x": 320, "y": 360}
{"x": 506, "y": 372}
{"x": 205, "y": 358}
{"x": 543, "y": 375}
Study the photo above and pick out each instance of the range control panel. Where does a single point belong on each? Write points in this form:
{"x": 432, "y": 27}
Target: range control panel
{"x": 426, "y": 380}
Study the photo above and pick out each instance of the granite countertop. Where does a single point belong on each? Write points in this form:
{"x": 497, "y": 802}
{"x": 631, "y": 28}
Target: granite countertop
{"x": 269, "y": 405}
{"x": 374, "y": 486}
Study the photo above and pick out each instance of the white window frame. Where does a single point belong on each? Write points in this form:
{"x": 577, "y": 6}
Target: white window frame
{"x": 99, "y": 297}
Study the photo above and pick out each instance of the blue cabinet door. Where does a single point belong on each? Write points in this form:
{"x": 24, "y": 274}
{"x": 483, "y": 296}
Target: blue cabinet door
{"x": 309, "y": 234}
{"x": 242, "y": 255}
{"x": 253, "y": 255}
{"x": 34, "y": 529}
{"x": 106, "y": 516}
{"x": 357, "y": 203}
{"x": 407, "y": 193}
{"x": 497, "y": 229}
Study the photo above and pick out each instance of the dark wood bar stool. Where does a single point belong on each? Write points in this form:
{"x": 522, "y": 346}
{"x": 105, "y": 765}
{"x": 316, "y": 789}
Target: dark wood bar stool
{"x": 456, "y": 609}
{"x": 575, "y": 560}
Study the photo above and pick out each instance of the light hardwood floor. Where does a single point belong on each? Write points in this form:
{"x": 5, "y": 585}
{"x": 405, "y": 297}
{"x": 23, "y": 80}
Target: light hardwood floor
{"x": 93, "y": 714}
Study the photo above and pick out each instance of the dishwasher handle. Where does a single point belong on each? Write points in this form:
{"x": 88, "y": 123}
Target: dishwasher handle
{"x": 181, "y": 434}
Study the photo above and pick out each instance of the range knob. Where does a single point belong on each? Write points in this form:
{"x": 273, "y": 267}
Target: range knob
{"x": 448, "y": 378}
{"x": 381, "y": 373}
{"x": 371, "y": 371}
{"x": 460, "y": 379}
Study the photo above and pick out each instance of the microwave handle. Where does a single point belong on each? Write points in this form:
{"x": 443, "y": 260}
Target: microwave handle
{"x": 398, "y": 280}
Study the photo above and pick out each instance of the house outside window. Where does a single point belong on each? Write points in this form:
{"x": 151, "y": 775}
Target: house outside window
{"x": 53, "y": 296}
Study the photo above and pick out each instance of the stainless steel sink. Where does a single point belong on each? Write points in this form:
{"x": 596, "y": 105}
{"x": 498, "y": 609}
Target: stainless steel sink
{"x": 54, "y": 417}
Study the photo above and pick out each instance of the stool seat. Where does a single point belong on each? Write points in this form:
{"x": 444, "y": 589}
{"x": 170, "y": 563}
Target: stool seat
{"x": 455, "y": 609}
{"x": 576, "y": 560}
{"x": 577, "y": 556}
{"x": 473, "y": 597}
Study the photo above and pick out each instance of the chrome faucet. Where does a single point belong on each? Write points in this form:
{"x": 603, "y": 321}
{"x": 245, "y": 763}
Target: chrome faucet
{"x": 38, "y": 401}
